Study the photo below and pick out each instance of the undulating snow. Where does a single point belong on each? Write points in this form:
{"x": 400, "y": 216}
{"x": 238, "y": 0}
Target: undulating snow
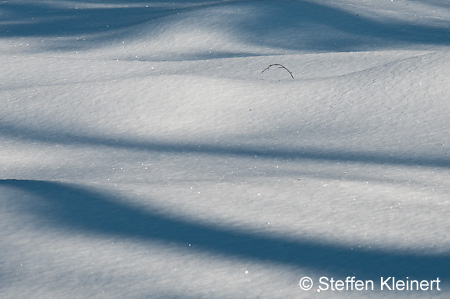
{"x": 144, "y": 153}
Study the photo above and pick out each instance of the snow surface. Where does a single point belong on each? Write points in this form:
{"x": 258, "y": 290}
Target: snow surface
{"x": 143, "y": 153}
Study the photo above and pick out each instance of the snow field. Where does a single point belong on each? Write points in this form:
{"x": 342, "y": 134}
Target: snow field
{"x": 153, "y": 159}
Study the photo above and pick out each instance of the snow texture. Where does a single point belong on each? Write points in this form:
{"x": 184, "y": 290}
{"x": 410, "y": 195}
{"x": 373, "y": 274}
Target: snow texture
{"x": 144, "y": 153}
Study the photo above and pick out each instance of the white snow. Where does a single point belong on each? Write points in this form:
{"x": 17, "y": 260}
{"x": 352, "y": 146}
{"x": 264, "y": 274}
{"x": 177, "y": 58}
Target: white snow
{"x": 144, "y": 154}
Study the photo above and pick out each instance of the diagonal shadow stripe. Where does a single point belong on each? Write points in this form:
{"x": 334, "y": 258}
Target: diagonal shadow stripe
{"x": 291, "y": 18}
{"x": 303, "y": 153}
{"x": 75, "y": 208}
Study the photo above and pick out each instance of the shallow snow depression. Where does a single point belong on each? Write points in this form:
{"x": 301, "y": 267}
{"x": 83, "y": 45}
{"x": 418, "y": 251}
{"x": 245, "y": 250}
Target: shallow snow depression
{"x": 144, "y": 153}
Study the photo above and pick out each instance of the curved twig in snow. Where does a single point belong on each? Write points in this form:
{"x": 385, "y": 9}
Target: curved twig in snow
{"x": 280, "y": 67}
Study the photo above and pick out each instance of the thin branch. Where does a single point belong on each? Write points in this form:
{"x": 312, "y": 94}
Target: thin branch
{"x": 280, "y": 67}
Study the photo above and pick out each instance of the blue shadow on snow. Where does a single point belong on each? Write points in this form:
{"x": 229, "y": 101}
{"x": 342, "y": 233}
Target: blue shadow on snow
{"x": 254, "y": 152}
{"x": 288, "y": 24}
{"x": 76, "y": 209}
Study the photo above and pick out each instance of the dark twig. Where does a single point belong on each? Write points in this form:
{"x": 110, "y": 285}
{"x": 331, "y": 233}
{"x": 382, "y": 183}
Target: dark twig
{"x": 280, "y": 67}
